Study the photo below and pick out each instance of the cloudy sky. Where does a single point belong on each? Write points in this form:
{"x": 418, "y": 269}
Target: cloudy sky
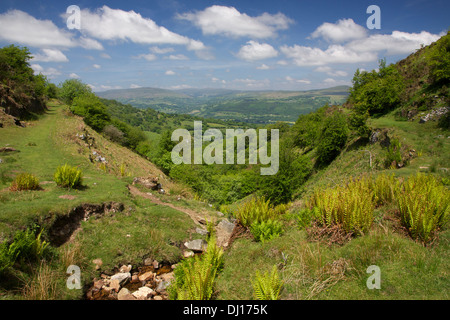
{"x": 248, "y": 45}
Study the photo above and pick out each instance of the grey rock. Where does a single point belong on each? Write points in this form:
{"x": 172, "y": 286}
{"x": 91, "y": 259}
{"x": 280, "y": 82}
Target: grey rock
{"x": 226, "y": 225}
{"x": 202, "y": 231}
{"x": 142, "y": 293}
{"x": 196, "y": 245}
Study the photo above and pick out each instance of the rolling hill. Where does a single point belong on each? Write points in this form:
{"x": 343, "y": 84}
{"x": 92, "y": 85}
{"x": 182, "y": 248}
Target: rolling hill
{"x": 247, "y": 106}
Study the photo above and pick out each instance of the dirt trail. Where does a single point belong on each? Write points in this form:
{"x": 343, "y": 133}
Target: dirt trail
{"x": 195, "y": 216}
{"x": 223, "y": 235}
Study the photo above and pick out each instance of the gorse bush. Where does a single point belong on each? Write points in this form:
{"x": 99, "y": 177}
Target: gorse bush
{"x": 423, "y": 203}
{"x": 195, "y": 277}
{"x": 266, "y": 230}
{"x": 68, "y": 177}
{"x": 267, "y": 286}
{"x": 349, "y": 205}
{"x": 25, "y": 181}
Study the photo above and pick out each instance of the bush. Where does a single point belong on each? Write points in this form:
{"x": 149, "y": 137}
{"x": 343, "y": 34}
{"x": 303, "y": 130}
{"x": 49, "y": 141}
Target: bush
{"x": 423, "y": 203}
{"x": 25, "y": 181}
{"x": 393, "y": 155}
{"x": 267, "y": 286}
{"x": 72, "y": 88}
{"x": 266, "y": 230}
{"x": 68, "y": 177}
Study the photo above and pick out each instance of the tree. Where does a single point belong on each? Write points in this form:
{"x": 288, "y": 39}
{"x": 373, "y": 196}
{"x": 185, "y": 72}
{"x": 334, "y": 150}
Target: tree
{"x": 332, "y": 138}
{"x": 72, "y": 88}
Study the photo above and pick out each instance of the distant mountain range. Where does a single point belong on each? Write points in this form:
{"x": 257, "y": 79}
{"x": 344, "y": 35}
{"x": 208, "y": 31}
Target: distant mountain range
{"x": 248, "y": 106}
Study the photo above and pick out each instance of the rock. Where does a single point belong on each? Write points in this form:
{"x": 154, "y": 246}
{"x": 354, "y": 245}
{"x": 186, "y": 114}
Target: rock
{"x": 162, "y": 286}
{"x": 157, "y": 298}
{"x": 146, "y": 276}
{"x": 155, "y": 264}
{"x": 220, "y": 214}
{"x": 201, "y": 231}
{"x": 98, "y": 263}
{"x": 7, "y": 149}
{"x": 167, "y": 276}
{"x": 226, "y": 225}
{"x": 98, "y": 284}
{"x": 188, "y": 254}
{"x": 150, "y": 182}
{"x": 142, "y": 293}
{"x": 125, "y": 269}
{"x": 122, "y": 277}
{"x": 196, "y": 245}
{"x": 134, "y": 278}
{"x": 124, "y": 294}
{"x": 148, "y": 262}
{"x": 115, "y": 285}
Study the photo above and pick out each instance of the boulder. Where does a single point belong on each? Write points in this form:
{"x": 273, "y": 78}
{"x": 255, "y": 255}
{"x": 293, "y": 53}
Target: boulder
{"x": 201, "y": 231}
{"x": 146, "y": 276}
{"x": 198, "y": 245}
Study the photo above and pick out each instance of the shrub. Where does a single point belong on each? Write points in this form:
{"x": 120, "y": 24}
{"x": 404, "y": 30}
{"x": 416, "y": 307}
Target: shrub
{"x": 68, "y": 177}
{"x": 6, "y": 259}
{"x": 266, "y": 230}
{"x": 267, "y": 286}
{"x": 349, "y": 205}
{"x": 423, "y": 203}
{"x": 25, "y": 181}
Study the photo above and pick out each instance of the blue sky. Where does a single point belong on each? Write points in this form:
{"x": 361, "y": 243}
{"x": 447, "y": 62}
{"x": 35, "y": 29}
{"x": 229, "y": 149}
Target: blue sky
{"x": 247, "y": 45}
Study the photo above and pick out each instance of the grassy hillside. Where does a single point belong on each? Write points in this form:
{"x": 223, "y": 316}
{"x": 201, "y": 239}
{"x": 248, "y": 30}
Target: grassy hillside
{"x": 359, "y": 186}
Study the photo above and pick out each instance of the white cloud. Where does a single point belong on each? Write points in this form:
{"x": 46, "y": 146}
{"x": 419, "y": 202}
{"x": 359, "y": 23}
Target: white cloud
{"x": 177, "y": 57}
{"x": 329, "y": 81}
{"x": 228, "y": 21}
{"x": 181, "y": 86}
{"x": 158, "y": 50}
{"x": 307, "y": 56}
{"x": 263, "y": 67}
{"x": 135, "y": 86}
{"x": 20, "y": 27}
{"x": 292, "y": 80}
{"x": 115, "y": 24}
{"x": 170, "y": 73}
{"x": 49, "y": 72}
{"x": 96, "y": 66}
{"x": 342, "y": 31}
{"x": 50, "y": 55}
{"x": 105, "y": 55}
{"x": 396, "y": 43}
{"x": 148, "y": 57}
{"x": 329, "y": 71}
{"x": 256, "y": 51}
{"x": 74, "y": 76}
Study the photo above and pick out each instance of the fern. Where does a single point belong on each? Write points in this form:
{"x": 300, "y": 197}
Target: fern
{"x": 195, "y": 280}
{"x": 423, "y": 203}
{"x": 267, "y": 286}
